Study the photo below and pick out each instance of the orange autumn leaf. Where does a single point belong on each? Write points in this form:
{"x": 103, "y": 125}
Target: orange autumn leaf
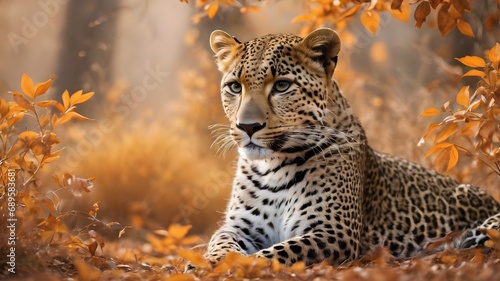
{"x": 276, "y": 265}
{"x": 79, "y": 97}
{"x": 430, "y": 112}
{"x": 447, "y": 259}
{"x": 41, "y": 88}
{"x": 494, "y": 56}
{"x": 28, "y": 136}
{"x": 4, "y": 108}
{"x": 437, "y": 148}
{"x": 464, "y": 28}
{"x": 430, "y": 129}
{"x": 298, "y": 267}
{"x": 195, "y": 258}
{"x": 442, "y": 158}
{"x": 27, "y": 85}
{"x": 54, "y": 120}
{"x": 22, "y": 101}
{"x": 15, "y": 118}
{"x": 461, "y": 6}
{"x": 249, "y": 9}
{"x": 50, "y": 138}
{"x": 52, "y": 157}
{"x": 421, "y": 13}
{"x": 370, "y": 20}
{"x": 66, "y": 99}
{"x": 449, "y": 130}
{"x": 349, "y": 13}
{"x": 446, "y": 22}
{"x": 16, "y": 147}
{"x": 46, "y": 103}
{"x": 71, "y": 115}
{"x": 474, "y": 72}
{"x": 396, "y": 4}
{"x": 82, "y": 98}
{"x": 178, "y": 231}
{"x": 44, "y": 120}
{"x": 463, "y": 97}
{"x": 453, "y": 158}
{"x": 403, "y": 13}
{"x": 86, "y": 271}
{"x": 233, "y": 259}
{"x": 191, "y": 240}
{"x": 472, "y": 61}
{"x": 212, "y": 9}
{"x": 493, "y": 234}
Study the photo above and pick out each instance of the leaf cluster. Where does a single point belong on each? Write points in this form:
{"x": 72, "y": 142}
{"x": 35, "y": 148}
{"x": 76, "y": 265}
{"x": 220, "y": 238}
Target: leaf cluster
{"x": 377, "y": 265}
{"x": 471, "y": 124}
{"x": 209, "y": 8}
{"x": 29, "y": 142}
{"x": 31, "y": 149}
{"x": 450, "y": 14}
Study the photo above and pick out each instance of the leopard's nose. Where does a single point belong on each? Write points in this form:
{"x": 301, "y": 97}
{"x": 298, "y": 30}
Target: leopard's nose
{"x": 250, "y": 128}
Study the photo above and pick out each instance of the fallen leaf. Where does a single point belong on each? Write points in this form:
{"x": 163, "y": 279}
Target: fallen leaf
{"x": 195, "y": 258}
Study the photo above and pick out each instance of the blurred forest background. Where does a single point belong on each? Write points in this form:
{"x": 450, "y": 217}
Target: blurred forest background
{"x": 157, "y": 92}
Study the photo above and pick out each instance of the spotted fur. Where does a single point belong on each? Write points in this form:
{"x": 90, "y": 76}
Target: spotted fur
{"x": 307, "y": 186}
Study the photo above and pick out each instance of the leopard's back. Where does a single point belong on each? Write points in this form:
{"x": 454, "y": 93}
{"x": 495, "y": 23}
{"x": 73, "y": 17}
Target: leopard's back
{"x": 407, "y": 206}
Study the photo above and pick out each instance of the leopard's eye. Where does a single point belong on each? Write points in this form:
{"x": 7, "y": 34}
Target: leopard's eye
{"x": 281, "y": 86}
{"x": 234, "y": 88}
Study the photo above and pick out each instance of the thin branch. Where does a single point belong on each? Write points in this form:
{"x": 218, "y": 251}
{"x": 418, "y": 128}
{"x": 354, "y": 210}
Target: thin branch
{"x": 495, "y": 169}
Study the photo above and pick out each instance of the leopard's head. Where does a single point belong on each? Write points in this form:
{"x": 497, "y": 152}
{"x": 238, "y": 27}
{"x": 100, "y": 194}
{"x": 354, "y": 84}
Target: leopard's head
{"x": 275, "y": 90}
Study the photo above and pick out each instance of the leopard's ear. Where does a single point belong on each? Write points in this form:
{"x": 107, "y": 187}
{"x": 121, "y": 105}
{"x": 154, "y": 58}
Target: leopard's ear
{"x": 322, "y": 45}
{"x": 222, "y": 44}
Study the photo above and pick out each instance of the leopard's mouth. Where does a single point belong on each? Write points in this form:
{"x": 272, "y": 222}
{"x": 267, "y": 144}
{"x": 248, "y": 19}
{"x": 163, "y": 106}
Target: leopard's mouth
{"x": 253, "y": 151}
{"x": 252, "y": 145}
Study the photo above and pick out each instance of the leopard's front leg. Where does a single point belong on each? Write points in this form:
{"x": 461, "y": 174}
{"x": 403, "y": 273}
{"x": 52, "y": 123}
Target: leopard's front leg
{"x": 227, "y": 239}
{"x": 313, "y": 247}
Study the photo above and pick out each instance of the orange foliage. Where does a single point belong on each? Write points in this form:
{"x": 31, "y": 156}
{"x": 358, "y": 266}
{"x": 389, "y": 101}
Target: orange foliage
{"x": 35, "y": 216}
{"x": 451, "y": 14}
{"x": 471, "y": 126}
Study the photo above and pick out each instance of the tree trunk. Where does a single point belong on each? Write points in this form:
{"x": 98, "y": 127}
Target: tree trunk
{"x": 87, "y": 47}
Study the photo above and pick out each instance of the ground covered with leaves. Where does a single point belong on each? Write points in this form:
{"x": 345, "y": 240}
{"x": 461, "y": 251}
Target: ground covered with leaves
{"x": 164, "y": 254}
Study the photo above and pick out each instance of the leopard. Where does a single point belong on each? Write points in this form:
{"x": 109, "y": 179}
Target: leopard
{"x": 308, "y": 187}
